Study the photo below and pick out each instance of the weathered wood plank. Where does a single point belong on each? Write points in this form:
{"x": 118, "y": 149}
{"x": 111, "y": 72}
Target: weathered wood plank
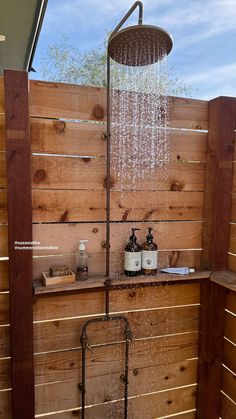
{"x": 68, "y": 205}
{"x": 62, "y": 366}
{"x": 96, "y": 261}
{"x": 211, "y": 341}
{"x": 19, "y": 228}
{"x": 4, "y": 276}
{"x": 58, "y": 307}
{"x": 67, "y": 333}
{"x": 5, "y": 404}
{"x": 52, "y": 397}
{"x": 228, "y": 408}
{"x": 219, "y": 181}
{"x": 231, "y": 302}
{"x": 65, "y": 237}
{"x": 89, "y": 173}
{"x": 157, "y": 404}
{"x": 230, "y": 355}
{"x": 59, "y": 100}
{"x": 229, "y": 384}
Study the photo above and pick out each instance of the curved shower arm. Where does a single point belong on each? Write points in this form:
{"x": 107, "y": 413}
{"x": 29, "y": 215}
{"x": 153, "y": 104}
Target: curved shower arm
{"x": 140, "y": 19}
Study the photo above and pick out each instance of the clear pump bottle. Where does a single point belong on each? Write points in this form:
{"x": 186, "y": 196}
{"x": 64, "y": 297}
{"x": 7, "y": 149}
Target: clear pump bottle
{"x": 82, "y": 261}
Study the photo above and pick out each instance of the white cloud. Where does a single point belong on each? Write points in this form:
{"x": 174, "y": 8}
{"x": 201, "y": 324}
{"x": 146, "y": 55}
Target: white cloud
{"x": 215, "y": 81}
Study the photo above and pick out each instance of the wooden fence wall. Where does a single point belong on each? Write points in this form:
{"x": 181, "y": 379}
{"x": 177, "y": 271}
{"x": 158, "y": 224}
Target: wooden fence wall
{"x": 68, "y": 173}
{"x": 229, "y": 360}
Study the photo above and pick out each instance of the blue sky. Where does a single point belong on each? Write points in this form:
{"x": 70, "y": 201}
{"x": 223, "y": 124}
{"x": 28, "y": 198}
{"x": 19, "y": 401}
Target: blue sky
{"x": 204, "y": 34}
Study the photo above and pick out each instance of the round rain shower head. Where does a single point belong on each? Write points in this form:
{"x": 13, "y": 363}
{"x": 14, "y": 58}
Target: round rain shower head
{"x": 139, "y": 45}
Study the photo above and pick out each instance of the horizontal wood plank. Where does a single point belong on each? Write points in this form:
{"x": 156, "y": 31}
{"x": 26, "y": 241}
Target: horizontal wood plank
{"x": 228, "y": 408}
{"x": 62, "y": 366}
{"x": 89, "y": 173}
{"x": 53, "y": 397}
{"x": 64, "y": 306}
{"x": 68, "y": 173}
{"x": 5, "y": 374}
{"x": 230, "y": 327}
{"x": 2, "y": 104}
{"x": 232, "y": 263}
{"x": 229, "y": 384}
{"x": 231, "y": 302}
{"x": 5, "y": 404}
{"x": 64, "y": 237}
{"x": 3, "y": 206}
{"x": 5, "y": 341}
{"x": 86, "y": 139}
{"x": 64, "y": 137}
{"x": 232, "y": 243}
{"x": 60, "y": 100}
{"x": 230, "y": 355}
{"x": 233, "y": 208}
{"x": 4, "y": 276}
{"x": 69, "y": 205}
{"x": 4, "y": 308}
{"x": 157, "y": 405}
{"x": 3, "y": 180}
{"x": 96, "y": 261}
{"x": 66, "y": 333}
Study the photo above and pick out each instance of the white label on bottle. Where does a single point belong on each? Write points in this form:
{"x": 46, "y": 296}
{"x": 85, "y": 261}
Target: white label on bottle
{"x": 149, "y": 259}
{"x": 132, "y": 261}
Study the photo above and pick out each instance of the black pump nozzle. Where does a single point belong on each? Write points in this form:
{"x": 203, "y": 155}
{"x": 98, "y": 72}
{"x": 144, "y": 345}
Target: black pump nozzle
{"x": 150, "y": 236}
{"x": 133, "y": 237}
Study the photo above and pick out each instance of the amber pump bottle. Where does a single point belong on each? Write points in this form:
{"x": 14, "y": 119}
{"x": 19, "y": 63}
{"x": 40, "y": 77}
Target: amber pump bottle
{"x": 132, "y": 260}
{"x": 149, "y": 255}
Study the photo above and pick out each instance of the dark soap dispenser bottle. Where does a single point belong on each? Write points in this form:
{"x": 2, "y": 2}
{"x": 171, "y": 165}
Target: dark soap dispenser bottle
{"x": 132, "y": 259}
{"x": 149, "y": 255}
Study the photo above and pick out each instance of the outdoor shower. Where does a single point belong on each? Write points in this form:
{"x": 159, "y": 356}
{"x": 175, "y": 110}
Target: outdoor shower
{"x": 135, "y": 46}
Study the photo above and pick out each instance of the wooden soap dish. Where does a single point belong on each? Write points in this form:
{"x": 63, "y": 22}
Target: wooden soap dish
{"x": 48, "y": 280}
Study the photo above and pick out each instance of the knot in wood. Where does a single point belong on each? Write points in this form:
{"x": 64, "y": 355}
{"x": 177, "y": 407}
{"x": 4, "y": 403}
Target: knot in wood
{"x": 98, "y": 112}
{"x": 59, "y": 126}
{"x": 176, "y": 186}
{"x": 40, "y": 175}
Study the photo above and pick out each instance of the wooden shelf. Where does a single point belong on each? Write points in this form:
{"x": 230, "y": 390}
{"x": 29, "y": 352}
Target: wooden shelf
{"x": 97, "y": 282}
{"x": 225, "y": 278}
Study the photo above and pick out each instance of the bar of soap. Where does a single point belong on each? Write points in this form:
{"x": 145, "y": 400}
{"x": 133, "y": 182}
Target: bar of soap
{"x": 59, "y": 270}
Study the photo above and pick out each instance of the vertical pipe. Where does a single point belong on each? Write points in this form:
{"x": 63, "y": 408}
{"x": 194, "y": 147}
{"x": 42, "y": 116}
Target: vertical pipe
{"x": 83, "y": 381}
{"x": 126, "y": 377}
{"x": 108, "y": 169}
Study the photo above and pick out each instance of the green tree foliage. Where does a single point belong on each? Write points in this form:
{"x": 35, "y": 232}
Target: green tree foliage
{"x": 63, "y": 62}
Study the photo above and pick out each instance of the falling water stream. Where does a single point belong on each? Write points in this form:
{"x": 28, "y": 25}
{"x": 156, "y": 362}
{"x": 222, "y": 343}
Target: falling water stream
{"x": 139, "y": 157}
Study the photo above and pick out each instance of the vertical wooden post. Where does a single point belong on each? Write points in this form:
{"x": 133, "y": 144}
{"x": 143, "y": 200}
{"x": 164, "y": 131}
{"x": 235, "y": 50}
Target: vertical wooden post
{"x": 211, "y": 343}
{"x": 18, "y": 156}
{"x": 216, "y": 232}
{"x": 218, "y": 184}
